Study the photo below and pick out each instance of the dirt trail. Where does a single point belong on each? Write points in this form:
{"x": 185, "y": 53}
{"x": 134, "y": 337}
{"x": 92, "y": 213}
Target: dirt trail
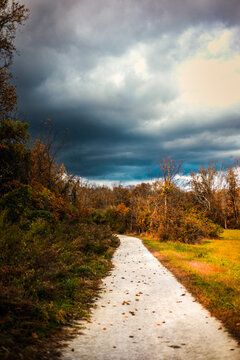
{"x": 146, "y": 314}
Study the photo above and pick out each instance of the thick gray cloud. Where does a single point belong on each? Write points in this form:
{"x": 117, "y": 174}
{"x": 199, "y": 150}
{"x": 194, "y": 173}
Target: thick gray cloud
{"x": 116, "y": 74}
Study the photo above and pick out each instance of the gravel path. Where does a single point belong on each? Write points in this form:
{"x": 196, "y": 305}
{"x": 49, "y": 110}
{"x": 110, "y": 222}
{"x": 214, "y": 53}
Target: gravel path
{"x": 146, "y": 314}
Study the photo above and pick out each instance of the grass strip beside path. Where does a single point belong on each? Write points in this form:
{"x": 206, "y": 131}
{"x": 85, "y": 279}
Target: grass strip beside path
{"x": 210, "y": 271}
{"x": 49, "y": 277}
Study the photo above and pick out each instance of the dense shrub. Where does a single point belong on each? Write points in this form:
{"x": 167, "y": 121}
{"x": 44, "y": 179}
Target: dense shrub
{"x": 194, "y": 226}
{"x": 115, "y": 217}
{"x": 189, "y": 226}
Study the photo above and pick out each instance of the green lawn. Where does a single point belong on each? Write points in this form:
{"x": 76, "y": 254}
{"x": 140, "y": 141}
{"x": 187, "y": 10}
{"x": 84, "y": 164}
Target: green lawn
{"x": 210, "y": 270}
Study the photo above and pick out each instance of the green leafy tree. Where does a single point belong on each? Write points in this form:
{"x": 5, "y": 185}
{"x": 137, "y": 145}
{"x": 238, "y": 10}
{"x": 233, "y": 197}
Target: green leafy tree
{"x": 13, "y": 152}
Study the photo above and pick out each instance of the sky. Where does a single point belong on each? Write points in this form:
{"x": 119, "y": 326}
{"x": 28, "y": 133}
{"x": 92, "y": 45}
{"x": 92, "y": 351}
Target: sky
{"x": 133, "y": 81}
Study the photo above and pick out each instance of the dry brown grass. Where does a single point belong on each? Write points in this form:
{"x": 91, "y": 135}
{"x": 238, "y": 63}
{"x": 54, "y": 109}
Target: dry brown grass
{"x": 204, "y": 268}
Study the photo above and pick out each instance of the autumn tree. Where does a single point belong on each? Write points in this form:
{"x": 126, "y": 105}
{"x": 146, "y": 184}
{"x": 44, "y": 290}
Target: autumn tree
{"x": 8, "y": 96}
{"x": 167, "y": 192}
{"x": 169, "y": 169}
{"x": 206, "y": 186}
{"x": 140, "y": 212}
{"x": 14, "y": 155}
{"x": 203, "y": 186}
{"x": 13, "y": 134}
{"x": 121, "y": 195}
{"x": 232, "y": 194}
{"x": 12, "y": 14}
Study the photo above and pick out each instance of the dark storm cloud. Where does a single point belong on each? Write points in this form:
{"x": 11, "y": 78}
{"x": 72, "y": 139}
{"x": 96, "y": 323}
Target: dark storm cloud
{"x": 110, "y": 26}
{"x": 104, "y": 70}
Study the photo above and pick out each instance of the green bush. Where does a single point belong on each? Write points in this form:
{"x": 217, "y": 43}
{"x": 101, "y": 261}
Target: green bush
{"x": 17, "y": 202}
{"x": 189, "y": 227}
{"x": 195, "y": 226}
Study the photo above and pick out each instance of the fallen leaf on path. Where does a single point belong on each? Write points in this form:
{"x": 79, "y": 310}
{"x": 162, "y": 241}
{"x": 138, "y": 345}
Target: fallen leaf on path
{"x": 104, "y": 328}
{"x": 174, "y": 346}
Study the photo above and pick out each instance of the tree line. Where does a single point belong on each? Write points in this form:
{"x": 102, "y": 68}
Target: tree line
{"x": 208, "y": 202}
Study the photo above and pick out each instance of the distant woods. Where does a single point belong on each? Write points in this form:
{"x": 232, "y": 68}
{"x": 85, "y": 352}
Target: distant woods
{"x": 208, "y": 202}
